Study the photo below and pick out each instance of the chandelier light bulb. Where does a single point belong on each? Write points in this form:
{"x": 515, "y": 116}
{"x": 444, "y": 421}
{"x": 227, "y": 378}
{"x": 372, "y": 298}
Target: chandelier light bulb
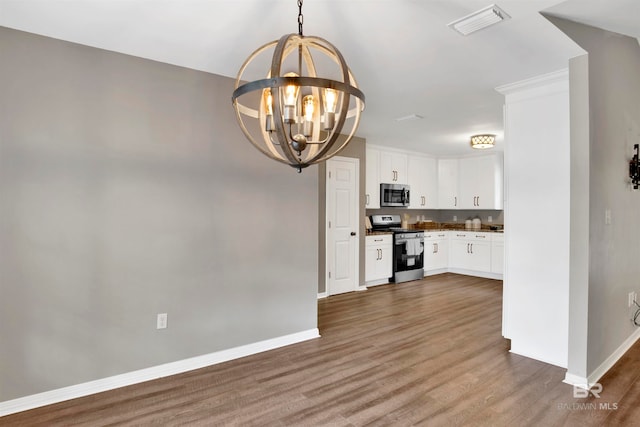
{"x": 290, "y": 100}
{"x": 330, "y": 103}
{"x": 267, "y": 100}
{"x": 308, "y": 107}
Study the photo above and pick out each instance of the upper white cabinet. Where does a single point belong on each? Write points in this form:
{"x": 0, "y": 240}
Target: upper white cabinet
{"x": 423, "y": 182}
{"x": 372, "y": 176}
{"x": 480, "y": 182}
{"x": 393, "y": 167}
{"x": 448, "y": 184}
{"x": 465, "y": 183}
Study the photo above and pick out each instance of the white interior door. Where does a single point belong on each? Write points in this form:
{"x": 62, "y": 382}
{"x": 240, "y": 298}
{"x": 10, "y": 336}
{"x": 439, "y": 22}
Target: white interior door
{"x": 342, "y": 225}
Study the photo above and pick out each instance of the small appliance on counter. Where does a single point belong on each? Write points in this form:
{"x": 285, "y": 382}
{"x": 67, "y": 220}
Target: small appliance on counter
{"x": 367, "y": 223}
{"x": 408, "y": 248}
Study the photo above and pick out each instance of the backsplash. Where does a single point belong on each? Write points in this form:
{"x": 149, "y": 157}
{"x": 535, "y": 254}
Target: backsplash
{"x": 445, "y": 216}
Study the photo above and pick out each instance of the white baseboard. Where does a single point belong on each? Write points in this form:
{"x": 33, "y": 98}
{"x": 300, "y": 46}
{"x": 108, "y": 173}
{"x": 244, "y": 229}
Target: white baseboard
{"x": 323, "y": 294}
{"x": 376, "y": 282}
{"x": 154, "y": 372}
{"x": 483, "y": 274}
{"x": 577, "y": 381}
{"x": 598, "y": 373}
{"x": 435, "y": 272}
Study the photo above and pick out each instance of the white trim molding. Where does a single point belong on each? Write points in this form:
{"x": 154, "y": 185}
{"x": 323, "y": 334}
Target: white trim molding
{"x": 152, "y": 373}
{"x": 604, "y": 367}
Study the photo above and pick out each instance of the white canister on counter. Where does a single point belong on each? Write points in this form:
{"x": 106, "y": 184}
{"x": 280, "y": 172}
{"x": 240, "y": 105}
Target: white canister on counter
{"x": 476, "y": 223}
{"x": 467, "y": 224}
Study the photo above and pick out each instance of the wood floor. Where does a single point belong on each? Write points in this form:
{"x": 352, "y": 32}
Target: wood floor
{"x": 426, "y": 353}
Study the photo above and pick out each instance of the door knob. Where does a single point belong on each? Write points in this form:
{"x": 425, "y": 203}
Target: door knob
{"x": 353, "y": 233}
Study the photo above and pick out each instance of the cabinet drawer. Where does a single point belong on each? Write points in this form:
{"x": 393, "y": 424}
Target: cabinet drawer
{"x": 471, "y": 235}
{"x": 497, "y": 237}
{"x": 378, "y": 240}
{"x": 435, "y": 235}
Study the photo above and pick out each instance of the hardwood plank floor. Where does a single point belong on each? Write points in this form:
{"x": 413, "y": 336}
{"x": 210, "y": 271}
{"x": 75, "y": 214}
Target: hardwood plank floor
{"x": 428, "y": 353}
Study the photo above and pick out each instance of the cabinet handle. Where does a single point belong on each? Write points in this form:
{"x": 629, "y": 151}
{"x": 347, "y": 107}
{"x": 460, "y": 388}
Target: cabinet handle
{"x": 434, "y": 249}
{"x": 467, "y": 247}
{"x": 480, "y": 237}
{"x": 437, "y": 248}
{"x": 366, "y": 199}
{"x": 440, "y": 235}
{"x": 455, "y": 200}
{"x": 471, "y": 247}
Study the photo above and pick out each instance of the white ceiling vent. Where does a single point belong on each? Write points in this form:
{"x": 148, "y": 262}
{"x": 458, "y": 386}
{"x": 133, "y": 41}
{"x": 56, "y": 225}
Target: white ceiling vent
{"x": 478, "y": 20}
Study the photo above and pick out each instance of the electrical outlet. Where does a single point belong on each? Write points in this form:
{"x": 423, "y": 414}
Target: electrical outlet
{"x": 455, "y": 218}
{"x": 607, "y": 216}
{"x": 490, "y": 219}
{"x": 631, "y": 298}
{"x": 161, "y": 322}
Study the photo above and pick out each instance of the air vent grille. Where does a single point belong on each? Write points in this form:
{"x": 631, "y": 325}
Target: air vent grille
{"x": 483, "y": 18}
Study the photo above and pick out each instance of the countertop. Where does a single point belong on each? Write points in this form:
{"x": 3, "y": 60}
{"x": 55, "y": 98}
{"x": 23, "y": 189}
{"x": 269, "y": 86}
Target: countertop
{"x": 429, "y": 227}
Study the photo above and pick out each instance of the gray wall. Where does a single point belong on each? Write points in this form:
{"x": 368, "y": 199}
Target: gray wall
{"x": 614, "y": 111}
{"x": 127, "y": 190}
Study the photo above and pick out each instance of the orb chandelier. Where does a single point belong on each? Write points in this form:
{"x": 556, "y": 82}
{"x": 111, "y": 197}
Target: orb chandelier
{"x": 482, "y": 142}
{"x": 293, "y": 115}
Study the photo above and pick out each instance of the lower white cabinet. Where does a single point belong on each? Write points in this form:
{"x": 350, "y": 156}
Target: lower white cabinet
{"x": 436, "y": 251}
{"x": 497, "y": 253}
{"x": 378, "y": 258}
{"x": 470, "y": 251}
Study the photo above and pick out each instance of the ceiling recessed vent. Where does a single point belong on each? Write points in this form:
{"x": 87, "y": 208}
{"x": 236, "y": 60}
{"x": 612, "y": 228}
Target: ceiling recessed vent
{"x": 478, "y": 20}
{"x": 409, "y": 117}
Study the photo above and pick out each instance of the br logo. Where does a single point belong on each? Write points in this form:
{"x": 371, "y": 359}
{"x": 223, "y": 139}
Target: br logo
{"x": 580, "y": 393}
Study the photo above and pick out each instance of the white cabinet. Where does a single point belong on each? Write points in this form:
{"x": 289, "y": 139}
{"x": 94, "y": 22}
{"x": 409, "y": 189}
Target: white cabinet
{"x": 497, "y": 253}
{"x": 378, "y": 258}
{"x": 393, "y": 167}
{"x": 480, "y": 182}
{"x": 470, "y": 251}
{"x": 372, "y": 179}
{"x": 423, "y": 178}
{"x": 436, "y": 251}
{"x": 448, "y": 184}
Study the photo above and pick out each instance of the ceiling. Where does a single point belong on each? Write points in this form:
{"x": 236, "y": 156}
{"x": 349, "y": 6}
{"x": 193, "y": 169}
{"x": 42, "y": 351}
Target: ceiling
{"x": 405, "y": 58}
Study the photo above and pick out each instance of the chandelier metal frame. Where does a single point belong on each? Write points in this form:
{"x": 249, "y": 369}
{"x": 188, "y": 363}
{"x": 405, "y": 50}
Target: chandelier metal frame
{"x": 283, "y": 132}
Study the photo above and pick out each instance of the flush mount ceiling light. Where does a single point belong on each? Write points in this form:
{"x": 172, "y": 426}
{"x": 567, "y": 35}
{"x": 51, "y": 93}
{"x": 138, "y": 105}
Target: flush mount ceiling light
{"x": 478, "y": 20}
{"x": 299, "y": 116}
{"x": 482, "y": 142}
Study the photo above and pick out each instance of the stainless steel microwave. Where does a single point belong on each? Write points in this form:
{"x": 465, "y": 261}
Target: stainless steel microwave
{"x": 396, "y": 195}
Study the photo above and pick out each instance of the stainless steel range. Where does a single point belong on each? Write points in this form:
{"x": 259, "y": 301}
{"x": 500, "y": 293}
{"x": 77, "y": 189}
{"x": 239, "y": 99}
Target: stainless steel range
{"x": 408, "y": 248}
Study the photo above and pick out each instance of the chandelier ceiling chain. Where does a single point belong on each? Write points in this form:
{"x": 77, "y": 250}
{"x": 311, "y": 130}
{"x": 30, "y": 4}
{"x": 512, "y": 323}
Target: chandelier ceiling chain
{"x": 300, "y": 18}
{"x": 298, "y": 116}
